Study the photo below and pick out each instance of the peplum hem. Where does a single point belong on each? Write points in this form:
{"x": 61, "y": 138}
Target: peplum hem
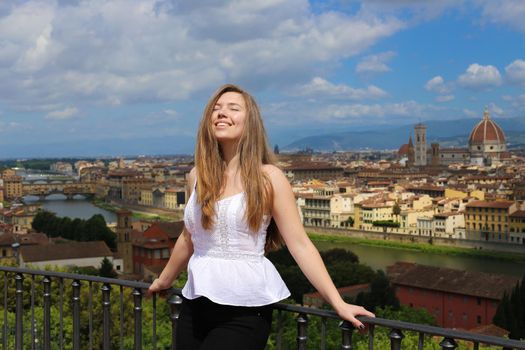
{"x": 253, "y": 282}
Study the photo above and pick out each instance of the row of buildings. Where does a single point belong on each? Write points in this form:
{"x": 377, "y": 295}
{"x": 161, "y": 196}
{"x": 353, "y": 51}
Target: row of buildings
{"x": 449, "y": 213}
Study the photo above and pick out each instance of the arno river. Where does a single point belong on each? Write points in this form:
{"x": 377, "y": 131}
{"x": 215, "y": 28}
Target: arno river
{"x": 375, "y": 257}
{"x": 76, "y": 208}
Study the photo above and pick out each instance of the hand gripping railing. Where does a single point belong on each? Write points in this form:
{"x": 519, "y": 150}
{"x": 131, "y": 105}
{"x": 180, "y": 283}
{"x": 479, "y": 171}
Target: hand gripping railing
{"x": 22, "y": 284}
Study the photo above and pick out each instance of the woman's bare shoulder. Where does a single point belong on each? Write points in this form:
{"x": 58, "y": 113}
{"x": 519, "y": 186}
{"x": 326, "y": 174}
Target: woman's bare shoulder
{"x": 271, "y": 170}
{"x": 192, "y": 177}
{"x": 276, "y": 176}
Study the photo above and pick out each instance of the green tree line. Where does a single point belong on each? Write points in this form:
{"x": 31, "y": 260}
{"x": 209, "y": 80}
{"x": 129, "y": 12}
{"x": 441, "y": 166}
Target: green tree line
{"x": 93, "y": 229}
{"x": 510, "y": 314}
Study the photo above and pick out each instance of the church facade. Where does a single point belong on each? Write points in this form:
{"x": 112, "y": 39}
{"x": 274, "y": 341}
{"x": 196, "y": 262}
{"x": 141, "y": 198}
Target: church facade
{"x": 486, "y": 146}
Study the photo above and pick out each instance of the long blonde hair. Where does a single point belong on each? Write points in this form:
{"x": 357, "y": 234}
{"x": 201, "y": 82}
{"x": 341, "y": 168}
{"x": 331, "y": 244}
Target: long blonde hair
{"x": 253, "y": 151}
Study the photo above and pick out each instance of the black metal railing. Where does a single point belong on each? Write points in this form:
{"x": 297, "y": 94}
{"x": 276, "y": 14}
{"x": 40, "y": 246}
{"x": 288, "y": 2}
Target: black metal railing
{"x": 29, "y": 317}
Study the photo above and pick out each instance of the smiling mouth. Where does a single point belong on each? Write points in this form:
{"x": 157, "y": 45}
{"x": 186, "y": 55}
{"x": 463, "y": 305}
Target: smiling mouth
{"x": 222, "y": 124}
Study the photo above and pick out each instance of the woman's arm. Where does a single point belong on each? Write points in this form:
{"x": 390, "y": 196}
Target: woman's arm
{"x": 180, "y": 254}
{"x": 286, "y": 216}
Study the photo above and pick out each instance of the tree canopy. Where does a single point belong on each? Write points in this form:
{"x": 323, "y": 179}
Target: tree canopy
{"x": 510, "y": 314}
{"x": 93, "y": 229}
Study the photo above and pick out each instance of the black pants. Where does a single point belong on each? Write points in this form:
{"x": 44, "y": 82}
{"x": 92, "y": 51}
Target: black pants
{"x": 205, "y": 325}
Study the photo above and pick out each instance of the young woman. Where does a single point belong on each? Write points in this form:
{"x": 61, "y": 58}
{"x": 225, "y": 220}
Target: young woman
{"x": 240, "y": 205}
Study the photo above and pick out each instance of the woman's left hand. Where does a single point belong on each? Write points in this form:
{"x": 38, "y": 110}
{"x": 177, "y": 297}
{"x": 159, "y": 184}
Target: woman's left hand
{"x": 349, "y": 312}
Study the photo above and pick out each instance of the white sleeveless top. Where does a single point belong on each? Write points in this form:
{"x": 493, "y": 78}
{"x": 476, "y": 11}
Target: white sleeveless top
{"x": 228, "y": 265}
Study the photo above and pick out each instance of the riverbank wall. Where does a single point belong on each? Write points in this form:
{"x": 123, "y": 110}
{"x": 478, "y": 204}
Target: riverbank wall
{"x": 168, "y": 215}
{"x": 407, "y": 239}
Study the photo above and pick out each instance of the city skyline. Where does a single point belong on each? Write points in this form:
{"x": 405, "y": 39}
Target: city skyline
{"x": 100, "y": 73}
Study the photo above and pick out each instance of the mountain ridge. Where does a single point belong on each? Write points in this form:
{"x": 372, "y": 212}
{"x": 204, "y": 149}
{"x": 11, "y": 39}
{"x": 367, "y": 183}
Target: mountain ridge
{"x": 452, "y": 133}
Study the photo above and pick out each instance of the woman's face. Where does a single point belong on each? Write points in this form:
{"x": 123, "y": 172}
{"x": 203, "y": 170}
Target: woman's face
{"x": 229, "y": 116}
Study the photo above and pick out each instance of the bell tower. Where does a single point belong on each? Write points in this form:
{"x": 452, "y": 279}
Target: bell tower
{"x": 124, "y": 244}
{"x": 421, "y": 144}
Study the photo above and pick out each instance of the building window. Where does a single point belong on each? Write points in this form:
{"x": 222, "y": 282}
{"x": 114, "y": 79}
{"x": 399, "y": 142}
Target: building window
{"x": 478, "y": 301}
{"x": 478, "y": 319}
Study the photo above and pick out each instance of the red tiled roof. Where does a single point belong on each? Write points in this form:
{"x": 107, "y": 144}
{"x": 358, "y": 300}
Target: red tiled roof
{"x": 490, "y": 329}
{"x": 518, "y": 214}
{"x": 486, "y": 131}
{"x": 490, "y": 204}
{"x": 478, "y": 284}
{"x": 160, "y": 229}
{"x": 403, "y": 150}
{"x": 65, "y": 251}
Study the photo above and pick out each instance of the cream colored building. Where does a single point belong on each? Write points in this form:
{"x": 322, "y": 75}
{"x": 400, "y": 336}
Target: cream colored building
{"x": 424, "y": 226}
{"x": 449, "y": 225}
{"x": 408, "y": 219}
{"x": 374, "y": 211}
{"x": 316, "y": 210}
{"x": 517, "y": 226}
{"x": 174, "y": 198}
{"x": 13, "y": 187}
{"x": 341, "y": 208}
{"x": 146, "y": 197}
{"x": 421, "y": 202}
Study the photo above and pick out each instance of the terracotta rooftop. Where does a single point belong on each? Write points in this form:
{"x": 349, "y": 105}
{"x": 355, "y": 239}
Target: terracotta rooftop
{"x": 65, "y": 251}
{"x": 486, "y": 131}
{"x": 490, "y": 329}
{"x": 478, "y": 284}
{"x": 172, "y": 229}
{"x": 518, "y": 214}
{"x": 24, "y": 239}
{"x": 490, "y": 204}
{"x": 312, "y": 166}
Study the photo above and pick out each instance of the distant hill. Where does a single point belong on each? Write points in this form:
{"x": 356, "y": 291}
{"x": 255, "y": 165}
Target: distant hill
{"x": 449, "y": 133}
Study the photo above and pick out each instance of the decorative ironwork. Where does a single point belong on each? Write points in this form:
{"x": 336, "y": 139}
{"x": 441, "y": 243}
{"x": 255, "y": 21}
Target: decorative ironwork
{"x": 17, "y": 275}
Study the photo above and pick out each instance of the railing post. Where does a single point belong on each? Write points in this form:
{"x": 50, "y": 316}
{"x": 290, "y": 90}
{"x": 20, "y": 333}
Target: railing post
{"x": 76, "y": 314}
{"x": 395, "y": 336}
{"x": 279, "y": 335}
{"x": 47, "y": 313}
{"x": 302, "y": 323}
{"x": 106, "y": 311}
{"x": 448, "y": 343}
{"x": 19, "y": 291}
{"x": 346, "y": 333}
{"x": 175, "y": 305}
{"x": 4, "y": 328}
{"x": 137, "y": 297}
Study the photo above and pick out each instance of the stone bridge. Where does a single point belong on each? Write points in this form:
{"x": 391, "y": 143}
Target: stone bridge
{"x": 67, "y": 188}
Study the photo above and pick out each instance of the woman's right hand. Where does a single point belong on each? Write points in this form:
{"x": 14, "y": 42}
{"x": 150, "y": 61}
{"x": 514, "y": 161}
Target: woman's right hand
{"x": 157, "y": 286}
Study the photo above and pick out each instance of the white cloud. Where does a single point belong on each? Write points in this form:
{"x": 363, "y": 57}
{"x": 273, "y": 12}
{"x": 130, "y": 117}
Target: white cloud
{"x": 63, "y": 114}
{"x": 417, "y": 10}
{"x": 321, "y": 88}
{"x": 438, "y": 85}
{"x": 171, "y": 112}
{"x": 510, "y": 12}
{"x": 478, "y": 77}
{"x": 375, "y": 63}
{"x": 515, "y": 72}
{"x": 470, "y": 113}
{"x": 342, "y": 112}
{"x": 118, "y": 52}
{"x": 444, "y": 98}
{"x": 495, "y": 109}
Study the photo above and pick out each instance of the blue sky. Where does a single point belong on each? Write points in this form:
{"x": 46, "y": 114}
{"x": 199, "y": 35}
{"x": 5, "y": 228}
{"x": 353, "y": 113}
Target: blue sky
{"x": 85, "y": 75}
